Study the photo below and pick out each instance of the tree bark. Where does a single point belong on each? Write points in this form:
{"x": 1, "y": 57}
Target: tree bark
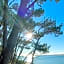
{"x": 5, "y": 9}
{"x": 34, "y": 50}
{"x": 11, "y": 43}
{"x": 8, "y": 45}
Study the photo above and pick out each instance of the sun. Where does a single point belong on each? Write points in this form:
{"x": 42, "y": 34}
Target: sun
{"x": 28, "y": 36}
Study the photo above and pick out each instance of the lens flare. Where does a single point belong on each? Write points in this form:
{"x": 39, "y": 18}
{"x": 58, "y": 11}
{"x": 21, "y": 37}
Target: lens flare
{"x": 28, "y": 36}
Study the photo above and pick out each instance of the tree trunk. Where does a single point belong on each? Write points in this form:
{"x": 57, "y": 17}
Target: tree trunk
{"x": 11, "y": 43}
{"x": 8, "y": 46}
{"x": 5, "y": 10}
{"x": 34, "y": 50}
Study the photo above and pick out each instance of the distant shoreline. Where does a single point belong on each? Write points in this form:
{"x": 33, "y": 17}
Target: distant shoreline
{"x": 50, "y": 54}
{"x": 53, "y": 54}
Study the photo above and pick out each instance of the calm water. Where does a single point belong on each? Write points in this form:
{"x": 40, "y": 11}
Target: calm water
{"x": 52, "y": 59}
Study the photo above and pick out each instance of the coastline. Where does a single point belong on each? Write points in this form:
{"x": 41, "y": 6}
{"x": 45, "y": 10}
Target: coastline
{"x": 50, "y": 54}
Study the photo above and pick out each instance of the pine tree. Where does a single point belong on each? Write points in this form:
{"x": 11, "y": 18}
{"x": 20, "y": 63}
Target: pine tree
{"x": 17, "y": 24}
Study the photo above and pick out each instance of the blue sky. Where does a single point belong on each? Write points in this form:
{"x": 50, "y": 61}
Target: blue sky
{"x": 55, "y": 11}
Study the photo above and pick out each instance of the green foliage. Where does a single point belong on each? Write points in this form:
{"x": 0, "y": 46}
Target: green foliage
{"x": 20, "y": 62}
{"x": 57, "y": 1}
{"x": 38, "y": 12}
{"x": 29, "y": 24}
{"x": 44, "y": 48}
{"x": 48, "y": 26}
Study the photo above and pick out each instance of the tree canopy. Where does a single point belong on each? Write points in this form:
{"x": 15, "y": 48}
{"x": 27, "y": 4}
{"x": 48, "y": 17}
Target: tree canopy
{"x": 15, "y": 22}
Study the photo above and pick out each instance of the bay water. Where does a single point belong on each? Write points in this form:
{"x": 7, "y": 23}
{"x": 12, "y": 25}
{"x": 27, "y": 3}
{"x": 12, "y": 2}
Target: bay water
{"x": 49, "y": 59}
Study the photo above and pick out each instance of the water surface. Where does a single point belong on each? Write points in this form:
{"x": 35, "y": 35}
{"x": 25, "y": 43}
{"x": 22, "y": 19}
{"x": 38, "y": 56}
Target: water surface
{"x": 49, "y": 59}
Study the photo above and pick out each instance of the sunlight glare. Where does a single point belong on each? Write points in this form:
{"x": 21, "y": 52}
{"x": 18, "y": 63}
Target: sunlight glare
{"x": 28, "y": 36}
